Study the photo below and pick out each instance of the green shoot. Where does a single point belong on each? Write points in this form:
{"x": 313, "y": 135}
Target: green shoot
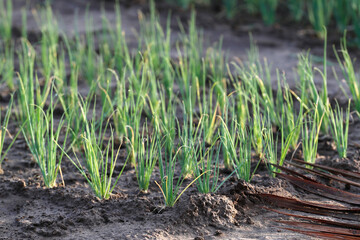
{"x": 207, "y": 167}
{"x": 171, "y": 192}
{"x": 268, "y": 10}
{"x": 89, "y": 64}
{"x": 257, "y": 125}
{"x": 310, "y": 136}
{"x": 146, "y": 158}
{"x": 239, "y": 150}
{"x": 188, "y": 138}
{"x": 6, "y": 21}
{"x": 339, "y": 129}
{"x": 7, "y": 65}
{"x": 296, "y": 8}
{"x": 231, "y": 8}
{"x": 100, "y": 164}
{"x": 42, "y": 142}
{"x": 129, "y": 106}
{"x": 270, "y": 150}
{"x": 30, "y": 93}
{"x": 4, "y": 131}
{"x": 271, "y": 145}
{"x": 348, "y": 70}
{"x": 319, "y": 14}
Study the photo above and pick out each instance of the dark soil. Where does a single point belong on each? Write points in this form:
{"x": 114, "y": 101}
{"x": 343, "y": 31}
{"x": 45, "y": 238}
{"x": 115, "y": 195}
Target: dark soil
{"x": 30, "y": 211}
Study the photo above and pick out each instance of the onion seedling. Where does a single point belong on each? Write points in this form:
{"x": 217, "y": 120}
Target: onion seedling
{"x": 30, "y": 94}
{"x": 6, "y": 21}
{"x": 310, "y": 95}
{"x": 188, "y": 138}
{"x": 7, "y": 65}
{"x": 4, "y": 131}
{"x": 121, "y": 54}
{"x": 157, "y": 43}
{"x": 290, "y": 121}
{"x": 319, "y": 15}
{"x": 129, "y": 107}
{"x": 341, "y": 14}
{"x": 89, "y": 59}
{"x": 207, "y": 168}
{"x": 100, "y": 164}
{"x": 216, "y": 66}
{"x": 239, "y": 150}
{"x": 42, "y": 141}
{"x": 268, "y": 10}
{"x": 348, "y": 70}
{"x": 256, "y": 80}
{"x": 296, "y": 8}
{"x": 271, "y": 145}
{"x": 270, "y": 150}
{"x": 207, "y": 165}
{"x": 257, "y": 124}
{"x": 146, "y": 158}
{"x": 310, "y": 136}
{"x": 170, "y": 191}
{"x": 49, "y": 43}
{"x": 339, "y": 129}
{"x": 208, "y": 111}
{"x": 231, "y": 8}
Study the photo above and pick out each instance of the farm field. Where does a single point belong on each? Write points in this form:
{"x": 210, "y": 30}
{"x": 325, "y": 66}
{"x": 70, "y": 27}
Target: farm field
{"x": 143, "y": 120}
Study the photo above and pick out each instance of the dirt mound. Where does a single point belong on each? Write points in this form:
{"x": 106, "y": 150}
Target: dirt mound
{"x": 211, "y": 210}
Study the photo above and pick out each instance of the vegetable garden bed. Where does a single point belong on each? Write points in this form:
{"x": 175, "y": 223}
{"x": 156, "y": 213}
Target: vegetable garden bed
{"x": 128, "y": 123}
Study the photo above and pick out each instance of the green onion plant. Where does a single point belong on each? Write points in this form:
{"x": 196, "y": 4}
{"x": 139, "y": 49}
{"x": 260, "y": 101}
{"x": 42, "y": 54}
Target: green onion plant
{"x": 239, "y": 150}
{"x": 319, "y": 15}
{"x": 6, "y": 21}
{"x": 348, "y": 70}
{"x": 147, "y": 157}
{"x": 340, "y": 128}
{"x": 268, "y": 10}
{"x": 207, "y": 166}
{"x": 310, "y": 136}
{"x": 42, "y": 137}
{"x": 4, "y": 131}
{"x": 99, "y": 163}
{"x": 169, "y": 187}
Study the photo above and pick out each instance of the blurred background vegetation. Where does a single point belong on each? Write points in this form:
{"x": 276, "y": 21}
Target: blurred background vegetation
{"x": 336, "y": 15}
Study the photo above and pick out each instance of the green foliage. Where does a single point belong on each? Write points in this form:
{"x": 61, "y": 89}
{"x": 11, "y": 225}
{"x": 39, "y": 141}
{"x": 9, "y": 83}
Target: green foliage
{"x": 170, "y": 188}
{"x": 5, "y": 21}
{"x": 238, "y": 147}
{"x": 310, "y": 136}
{"x": 99, "y": 163}
{"x": 231, "y": 8}
{"x": 4, "y": 132}
{"x": 340, "y": 129}
{"x": 202, "y": 111}
{"x": 147, "y": 157}
{"x": 297, "y": 9}
{"x": 351, "y": 78}
{"x": 42, "y": 139}
{"x": 319, "y": 14}
{"x": 268, "y": 10}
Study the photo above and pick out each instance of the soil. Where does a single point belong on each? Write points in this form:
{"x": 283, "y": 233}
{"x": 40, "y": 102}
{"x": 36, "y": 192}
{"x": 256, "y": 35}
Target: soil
{"x": 30, "y": 211}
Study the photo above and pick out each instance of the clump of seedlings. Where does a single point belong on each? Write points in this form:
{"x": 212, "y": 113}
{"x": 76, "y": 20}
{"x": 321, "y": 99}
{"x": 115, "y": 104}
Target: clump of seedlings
{"x": 42, "y": 137}
{"x": 147, "y": 157}
{"x": 99, "y": 163}
{"x": 340, "y": 128}
{"x": 205, "y": 114}
{"x": 310, "y": 136}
